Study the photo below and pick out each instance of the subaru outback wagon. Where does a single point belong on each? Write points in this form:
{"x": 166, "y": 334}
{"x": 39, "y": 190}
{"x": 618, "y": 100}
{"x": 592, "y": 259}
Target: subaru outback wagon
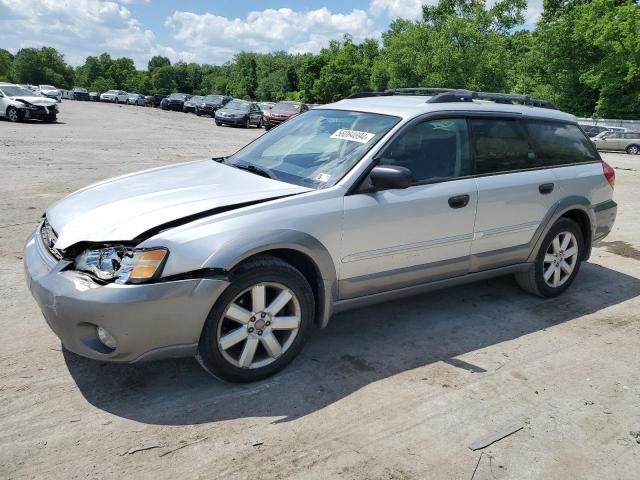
{"x": 233, "y": 260}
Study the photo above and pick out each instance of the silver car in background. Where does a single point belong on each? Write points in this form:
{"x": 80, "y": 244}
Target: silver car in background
{"x": 626, "y": 141}
{"x": 136, "y": 99}
{"x": 234, "y": 260}
{"x": 115, "y": 96}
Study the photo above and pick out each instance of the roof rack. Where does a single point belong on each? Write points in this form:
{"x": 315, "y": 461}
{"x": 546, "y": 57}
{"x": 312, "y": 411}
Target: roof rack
{"x": 447, "y": 95}
{"x": 504, "y": 98}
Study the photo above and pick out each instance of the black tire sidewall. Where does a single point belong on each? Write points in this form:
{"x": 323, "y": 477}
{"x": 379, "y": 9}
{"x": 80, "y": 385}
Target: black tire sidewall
{"x": 563, "y": 225}
{"x": 282, "y": 273}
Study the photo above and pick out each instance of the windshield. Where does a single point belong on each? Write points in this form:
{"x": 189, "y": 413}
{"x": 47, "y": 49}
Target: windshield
{"x": 196, "y": 99}
{"x": 317, "y": 148}
{"x": 180, "y": 96}
{"x": 213, "y": 98}
{"x": 112, "y": 91}
{"x": 287, "y": 107}
{"x": 47, "y": 87}
{"x": 10, "y": 91}
{"x": 242, "y": 106}
{"x": 80, "y": 90}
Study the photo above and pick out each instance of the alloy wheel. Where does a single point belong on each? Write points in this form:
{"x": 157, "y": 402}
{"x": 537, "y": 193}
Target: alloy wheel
{"x": 560, "y": 259}
{"x": 13, "y": 115}
{"x": 633, "y": 150}
{"x": 259, "y": 325}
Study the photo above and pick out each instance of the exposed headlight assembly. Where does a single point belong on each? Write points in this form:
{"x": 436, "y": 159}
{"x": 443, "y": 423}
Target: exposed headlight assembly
{"x": 122, "y": 264}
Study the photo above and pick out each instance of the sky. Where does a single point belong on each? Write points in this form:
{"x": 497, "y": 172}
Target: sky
{"x": 202, "y": 31}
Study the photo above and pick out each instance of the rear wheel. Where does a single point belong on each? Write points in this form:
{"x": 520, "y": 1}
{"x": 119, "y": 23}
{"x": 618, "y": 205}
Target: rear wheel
{"x": 633, "y": 149}
{"x": 557, "y": 262}
{"x": 259, "y": 324}
{"x": 13, "y": 114}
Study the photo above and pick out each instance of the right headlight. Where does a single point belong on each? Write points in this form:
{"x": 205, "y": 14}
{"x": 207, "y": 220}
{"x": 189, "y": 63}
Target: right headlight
{"x": 122, "y": 264}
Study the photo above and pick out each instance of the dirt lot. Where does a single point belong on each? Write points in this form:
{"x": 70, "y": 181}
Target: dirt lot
{"x": 397, "y": 391}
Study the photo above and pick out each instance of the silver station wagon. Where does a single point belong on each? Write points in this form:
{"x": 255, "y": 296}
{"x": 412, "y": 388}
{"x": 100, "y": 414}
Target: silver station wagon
{"x": 234, "y": 260}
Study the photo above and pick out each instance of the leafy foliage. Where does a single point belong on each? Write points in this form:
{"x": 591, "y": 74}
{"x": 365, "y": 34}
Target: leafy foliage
{"x": 584, "y": 55}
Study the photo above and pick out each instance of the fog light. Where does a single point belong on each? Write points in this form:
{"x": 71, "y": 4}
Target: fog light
{"x": 106, "y": 338}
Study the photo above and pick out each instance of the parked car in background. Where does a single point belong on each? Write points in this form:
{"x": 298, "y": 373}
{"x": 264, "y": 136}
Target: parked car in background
{"x": 239, "y": 113}
{"x": 156, "y": 100}
{"x": 626, "y": 141}
{"x": 137, "y": 99}
{"x": 233, "y": 260}
{"x": 80, "y": 94}
{"x": 266, "y": 106}
{"x": 175, "y": 101}
{"x": 50, "y": 91}
{"x": 94, "y": 96}
{"x": 211, "y": 103}
{"x": 190, "y": 105}
{"x": 593, "y": 130}
{"x": 281, "y": 112}
{"x": 18, "y": 103}
{"x": 114, "y": 96}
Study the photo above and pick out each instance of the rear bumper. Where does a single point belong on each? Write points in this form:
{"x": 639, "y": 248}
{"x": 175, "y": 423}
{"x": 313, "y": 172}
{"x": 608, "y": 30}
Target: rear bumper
{"x": 605, "y": 218}
{"x": 149, "y": 321}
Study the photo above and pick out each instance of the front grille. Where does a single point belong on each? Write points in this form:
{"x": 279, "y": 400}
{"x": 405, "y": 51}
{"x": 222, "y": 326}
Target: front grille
{"x": 49, "y": 237}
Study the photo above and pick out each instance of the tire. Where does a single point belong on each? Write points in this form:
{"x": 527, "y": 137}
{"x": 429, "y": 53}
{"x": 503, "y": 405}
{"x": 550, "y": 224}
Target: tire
{"x": 52, "y": 118}
{"x": 259, "y": 123}
{"x": 218, "y": 123}
{"x": 116, "y": 101}
{"x": 533, "y": 280}
{"x": 13, "y": 114}
{"x": 267, "y": 277}
{"x": 267, "y": 127}
{"x": 247, "y": 124}
{"x": 633, "y": 149}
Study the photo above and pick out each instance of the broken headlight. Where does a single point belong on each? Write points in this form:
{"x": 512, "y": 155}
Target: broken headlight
{"x": 122, "y": 264}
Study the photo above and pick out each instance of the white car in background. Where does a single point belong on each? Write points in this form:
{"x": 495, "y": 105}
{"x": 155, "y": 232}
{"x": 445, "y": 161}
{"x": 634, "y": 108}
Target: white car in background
{"x": 115, "y": 96}
{"x": 18, "y": 103}
{"x": 50, "y": 91}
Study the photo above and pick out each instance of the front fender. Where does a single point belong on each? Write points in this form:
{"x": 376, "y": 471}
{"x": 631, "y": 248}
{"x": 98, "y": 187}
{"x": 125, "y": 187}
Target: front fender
{"x": 232, "y": 253}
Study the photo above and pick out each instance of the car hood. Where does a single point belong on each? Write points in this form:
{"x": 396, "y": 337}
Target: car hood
{"x": 282, "y": 113}
{"x": 123, "y": 208}
{"x": 42, "y": 101}
{"x": 232, "y": 112}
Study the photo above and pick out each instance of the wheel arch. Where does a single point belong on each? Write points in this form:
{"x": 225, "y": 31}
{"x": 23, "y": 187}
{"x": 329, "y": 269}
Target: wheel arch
{"x": 576, "y": 208}
{"x": 299, "y": 249}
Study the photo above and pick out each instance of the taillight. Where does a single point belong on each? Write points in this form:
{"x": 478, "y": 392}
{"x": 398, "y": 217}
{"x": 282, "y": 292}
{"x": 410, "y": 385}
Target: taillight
{"x": 609, "y": 174}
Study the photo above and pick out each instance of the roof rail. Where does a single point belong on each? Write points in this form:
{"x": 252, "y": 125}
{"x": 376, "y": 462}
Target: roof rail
{"x": 505, "y": 98}
{"x": 427, "y": 91}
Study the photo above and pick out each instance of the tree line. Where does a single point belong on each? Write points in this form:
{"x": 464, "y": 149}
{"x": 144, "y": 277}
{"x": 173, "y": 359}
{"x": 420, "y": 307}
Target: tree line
{"x": 584, "y": 55}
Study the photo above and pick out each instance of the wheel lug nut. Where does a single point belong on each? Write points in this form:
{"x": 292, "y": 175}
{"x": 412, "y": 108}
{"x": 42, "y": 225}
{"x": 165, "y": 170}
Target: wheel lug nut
{"x": 259, "y": 332}
{"x": 250, "y": 329}
{"x": 262, "y": 315}
{"x": 253, "y": 319}
{"x": 268, "y": 323}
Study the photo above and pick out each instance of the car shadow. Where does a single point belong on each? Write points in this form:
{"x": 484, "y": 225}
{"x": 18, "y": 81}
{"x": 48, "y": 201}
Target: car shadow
{"x": 356, "y": 349}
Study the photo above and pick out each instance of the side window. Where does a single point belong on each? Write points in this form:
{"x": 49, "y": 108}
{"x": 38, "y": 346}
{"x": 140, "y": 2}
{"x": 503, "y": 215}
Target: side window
{"x": 559, "y": 143}
{"x": 631, "y": 136}
{"x": 433, "y": 150}
{"x": 500, "y": 145}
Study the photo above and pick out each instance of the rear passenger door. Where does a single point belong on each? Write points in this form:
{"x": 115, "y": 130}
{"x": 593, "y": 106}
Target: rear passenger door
{"x": 514, "y": 196}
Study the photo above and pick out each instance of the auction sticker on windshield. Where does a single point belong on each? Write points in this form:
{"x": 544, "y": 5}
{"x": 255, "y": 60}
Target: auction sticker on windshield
{"x": 352, "y": 135}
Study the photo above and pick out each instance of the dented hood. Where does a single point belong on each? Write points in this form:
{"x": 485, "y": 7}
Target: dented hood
{"x": 122, "y": 208}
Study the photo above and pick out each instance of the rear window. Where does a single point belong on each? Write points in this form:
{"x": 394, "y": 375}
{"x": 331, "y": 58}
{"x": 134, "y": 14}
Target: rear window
{"x": 500, "y": 145}
{"x": 559, "y": 144}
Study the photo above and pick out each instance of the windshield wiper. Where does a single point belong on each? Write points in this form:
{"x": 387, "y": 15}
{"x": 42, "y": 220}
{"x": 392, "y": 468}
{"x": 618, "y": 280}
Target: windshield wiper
{"x": 253, "y": 169}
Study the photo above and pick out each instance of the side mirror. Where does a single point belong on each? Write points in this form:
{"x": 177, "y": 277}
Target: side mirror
{"x": 390, "y": 176}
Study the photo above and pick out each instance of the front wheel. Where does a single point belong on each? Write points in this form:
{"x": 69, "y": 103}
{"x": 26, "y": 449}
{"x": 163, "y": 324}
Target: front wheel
{"x": 557, "y": 262}
{"x": 13, "y": 114}
{"x": 218, "y": 123}
{"x": 52, "y": 118}
{"x": 259, "y": 324}
{"x": 267, "y": 127}
{"x": 633, "y": 149}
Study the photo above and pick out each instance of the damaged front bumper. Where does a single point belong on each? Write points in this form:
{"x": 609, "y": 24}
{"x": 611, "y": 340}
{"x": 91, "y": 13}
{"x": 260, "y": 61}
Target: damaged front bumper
{"x": 148, "y": 321}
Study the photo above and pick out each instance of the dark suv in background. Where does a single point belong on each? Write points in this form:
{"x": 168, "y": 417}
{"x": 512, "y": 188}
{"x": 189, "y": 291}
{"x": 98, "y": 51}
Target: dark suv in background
{"x": 80, "y": 93}
{"x": 211, "y": 103}
{"x": 281, "y": 112}
{"x": 175, "y": 101}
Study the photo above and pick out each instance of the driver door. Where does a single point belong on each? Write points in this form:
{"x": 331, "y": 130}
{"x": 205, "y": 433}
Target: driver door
{"x": 403, "y": 237}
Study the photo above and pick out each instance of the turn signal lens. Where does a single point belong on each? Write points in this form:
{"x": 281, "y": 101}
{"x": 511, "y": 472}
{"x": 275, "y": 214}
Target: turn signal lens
{"x": 145, "y": 264}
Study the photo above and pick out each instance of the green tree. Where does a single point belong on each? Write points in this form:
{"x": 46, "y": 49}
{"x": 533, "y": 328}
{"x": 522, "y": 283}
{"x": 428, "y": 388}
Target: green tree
{"x": 101, "y": 85}
{"x": 120, "y": 71}
{"x": 156, "y": 62}
{"x": 41, "y": 66}
{"x": 6, "y": 59}
{"x": 163, "y": 81}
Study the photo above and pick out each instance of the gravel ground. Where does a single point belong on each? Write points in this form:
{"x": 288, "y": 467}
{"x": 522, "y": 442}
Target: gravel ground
{"x": 397, "y": 391}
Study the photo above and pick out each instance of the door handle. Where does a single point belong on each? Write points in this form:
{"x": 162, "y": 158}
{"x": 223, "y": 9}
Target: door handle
{"x": 546, "y": 188}
{"x": 459, "y": 201}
